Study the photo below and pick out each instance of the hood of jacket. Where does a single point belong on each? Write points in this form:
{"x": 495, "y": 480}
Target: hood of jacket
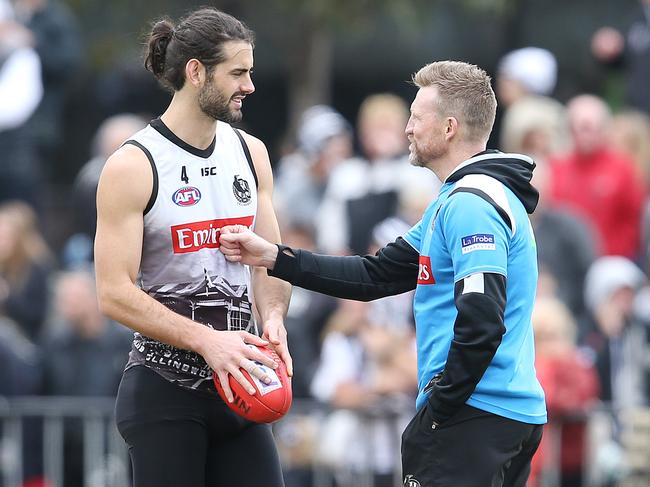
{"x": 513, "y": 170}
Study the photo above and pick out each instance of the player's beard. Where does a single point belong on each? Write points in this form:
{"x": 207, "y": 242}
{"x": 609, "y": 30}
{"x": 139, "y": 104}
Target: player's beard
{"x": 216, "y": 106}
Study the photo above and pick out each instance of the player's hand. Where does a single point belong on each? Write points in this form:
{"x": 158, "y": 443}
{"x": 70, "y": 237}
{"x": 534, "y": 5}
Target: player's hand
{"x": 276, "y": 334}
{"x": 226, "y": 352}
{"x": 240, "y": 244}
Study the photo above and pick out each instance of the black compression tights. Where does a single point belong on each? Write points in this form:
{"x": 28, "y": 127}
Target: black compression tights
{"x": 179, "y": 438}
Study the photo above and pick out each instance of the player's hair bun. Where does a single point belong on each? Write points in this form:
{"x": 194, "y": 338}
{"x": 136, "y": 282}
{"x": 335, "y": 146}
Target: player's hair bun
{"x": 161, "y": 35}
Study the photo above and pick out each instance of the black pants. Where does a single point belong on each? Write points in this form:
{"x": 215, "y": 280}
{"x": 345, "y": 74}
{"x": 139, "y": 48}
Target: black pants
{"x": 177, "y": 437}
{"x": 473, "y": 448}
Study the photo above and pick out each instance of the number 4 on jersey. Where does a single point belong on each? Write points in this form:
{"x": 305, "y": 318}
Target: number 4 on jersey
{"x": 184, "y": 177}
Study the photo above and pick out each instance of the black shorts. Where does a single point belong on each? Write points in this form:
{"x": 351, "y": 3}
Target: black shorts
{"x": 473, "y": 448}
{"x": 179, "y": 437}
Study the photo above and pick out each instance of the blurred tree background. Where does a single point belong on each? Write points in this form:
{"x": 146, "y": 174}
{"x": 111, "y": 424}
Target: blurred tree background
{"x": 328, "y": 51}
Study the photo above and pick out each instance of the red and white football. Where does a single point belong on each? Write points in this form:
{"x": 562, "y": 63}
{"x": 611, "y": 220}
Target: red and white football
{"x": 270, "y": 401}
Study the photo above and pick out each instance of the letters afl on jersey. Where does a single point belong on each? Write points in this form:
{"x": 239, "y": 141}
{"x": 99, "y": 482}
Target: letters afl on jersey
{"x": 196, "y": 192}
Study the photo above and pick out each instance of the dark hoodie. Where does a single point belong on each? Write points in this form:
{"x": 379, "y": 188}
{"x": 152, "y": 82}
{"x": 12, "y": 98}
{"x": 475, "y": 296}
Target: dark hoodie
{"x": 513, "y": 170}
{"x": 394, "y": 269}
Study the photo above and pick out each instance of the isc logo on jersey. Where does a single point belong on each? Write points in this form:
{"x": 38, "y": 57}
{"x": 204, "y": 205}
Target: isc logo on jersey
{"x": 425, "y": 275}
{"x": 187, "y": 196}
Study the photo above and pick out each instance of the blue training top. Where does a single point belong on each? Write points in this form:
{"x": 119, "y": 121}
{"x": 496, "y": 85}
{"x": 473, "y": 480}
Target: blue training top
{"x": 461, "y": 234}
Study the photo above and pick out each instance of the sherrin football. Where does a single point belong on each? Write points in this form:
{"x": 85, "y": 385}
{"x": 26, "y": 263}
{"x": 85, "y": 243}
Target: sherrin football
{"x": 270, "y": 401}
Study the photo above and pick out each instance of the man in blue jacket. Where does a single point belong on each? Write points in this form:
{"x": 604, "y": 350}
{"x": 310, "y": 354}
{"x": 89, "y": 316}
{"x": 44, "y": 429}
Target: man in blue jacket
{"x": 472, "y": 260}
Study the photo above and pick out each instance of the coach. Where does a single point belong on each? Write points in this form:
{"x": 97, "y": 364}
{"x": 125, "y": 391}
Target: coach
{"x": 472, "y": 260}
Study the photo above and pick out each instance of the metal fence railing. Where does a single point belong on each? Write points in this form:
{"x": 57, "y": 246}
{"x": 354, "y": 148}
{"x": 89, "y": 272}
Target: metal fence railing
{"x": 312, "y": 452}
{"x": 105, "y": 459}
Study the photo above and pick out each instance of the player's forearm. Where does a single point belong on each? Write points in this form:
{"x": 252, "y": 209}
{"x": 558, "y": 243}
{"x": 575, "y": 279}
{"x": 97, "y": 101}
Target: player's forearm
{"x": 271, "y": 295}
{"x": 132, "y": 307}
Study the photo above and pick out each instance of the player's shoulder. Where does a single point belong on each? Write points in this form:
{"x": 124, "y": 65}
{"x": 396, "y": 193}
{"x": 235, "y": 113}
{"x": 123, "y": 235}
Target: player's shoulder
{"x": 127, "y": 176}
{"x": 255, "y": 145}
{"x": 128, "y": 160}
{"x": 261, "y": 161}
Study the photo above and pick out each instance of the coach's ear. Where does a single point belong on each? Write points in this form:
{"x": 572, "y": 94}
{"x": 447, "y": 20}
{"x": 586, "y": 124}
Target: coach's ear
{"x": 195, "y": 73}
{"x": 451, "y": 128}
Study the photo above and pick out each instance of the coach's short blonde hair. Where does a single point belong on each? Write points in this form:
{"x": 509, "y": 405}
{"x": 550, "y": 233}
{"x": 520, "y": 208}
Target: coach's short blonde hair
{"x": 464, "y": 93}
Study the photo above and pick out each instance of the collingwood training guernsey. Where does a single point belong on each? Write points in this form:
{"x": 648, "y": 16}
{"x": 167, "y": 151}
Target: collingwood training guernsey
{"x": 478, "y": 225}
{"x": 195, "y": 193}
{"x": 473, "y": 262}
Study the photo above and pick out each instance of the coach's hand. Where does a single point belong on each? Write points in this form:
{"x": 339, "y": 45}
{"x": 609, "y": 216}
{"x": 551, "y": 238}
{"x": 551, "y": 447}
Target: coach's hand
{"x": 226, "y": 352}
{"x": 276, "y": 334}
{"x": 240, "y": 244}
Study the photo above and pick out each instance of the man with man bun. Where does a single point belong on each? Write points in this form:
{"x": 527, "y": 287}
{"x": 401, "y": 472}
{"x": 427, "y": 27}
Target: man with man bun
{"x": 161, "y": 201}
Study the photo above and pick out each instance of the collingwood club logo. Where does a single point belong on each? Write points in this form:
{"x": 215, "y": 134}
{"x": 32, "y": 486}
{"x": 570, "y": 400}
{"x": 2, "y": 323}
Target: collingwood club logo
{"x": 409, "y": 481}
{"x": 241, "y": 190}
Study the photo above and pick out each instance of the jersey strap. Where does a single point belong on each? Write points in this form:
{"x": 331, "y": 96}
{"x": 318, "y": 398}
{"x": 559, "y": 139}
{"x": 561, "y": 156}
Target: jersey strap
{"x": 154, "y": 189}
{"x": 249, "y": 158}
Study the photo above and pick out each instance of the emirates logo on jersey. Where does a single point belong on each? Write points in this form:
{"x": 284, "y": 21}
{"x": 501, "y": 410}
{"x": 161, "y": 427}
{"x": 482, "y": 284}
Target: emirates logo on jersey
{"x": 425, "y": 275}
{"x": 191, "y": 237}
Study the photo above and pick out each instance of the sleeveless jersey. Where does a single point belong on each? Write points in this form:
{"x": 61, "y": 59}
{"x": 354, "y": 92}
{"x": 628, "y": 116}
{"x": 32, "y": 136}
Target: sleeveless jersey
{"x": 195, "y": 193}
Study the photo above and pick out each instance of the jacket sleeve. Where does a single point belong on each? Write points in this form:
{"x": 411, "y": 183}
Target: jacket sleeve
{"x": 392, "y": 270}
{"x": 478, "y": 330}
